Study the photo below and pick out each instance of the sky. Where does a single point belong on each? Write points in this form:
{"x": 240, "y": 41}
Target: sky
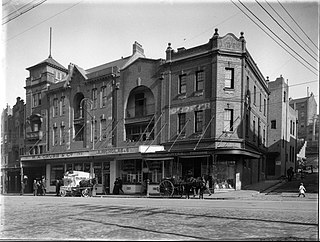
{"x": 89, "y": 33}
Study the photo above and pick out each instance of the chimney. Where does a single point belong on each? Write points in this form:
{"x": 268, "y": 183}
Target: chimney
{"x": 137, "y": 48}
{"x": 169, "y": 52}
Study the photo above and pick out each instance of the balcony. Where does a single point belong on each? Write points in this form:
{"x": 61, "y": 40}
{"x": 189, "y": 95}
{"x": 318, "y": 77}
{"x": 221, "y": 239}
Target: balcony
{"x": 34, "y": 135}
{"x": 140, "y": 113}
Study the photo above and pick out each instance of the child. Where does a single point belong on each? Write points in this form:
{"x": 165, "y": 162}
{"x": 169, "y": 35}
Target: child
{"x": 302, "y": 190}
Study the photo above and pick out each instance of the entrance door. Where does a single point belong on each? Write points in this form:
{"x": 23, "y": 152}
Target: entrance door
{"x": 106, "y": 184}
{"x": 191, "y": 165}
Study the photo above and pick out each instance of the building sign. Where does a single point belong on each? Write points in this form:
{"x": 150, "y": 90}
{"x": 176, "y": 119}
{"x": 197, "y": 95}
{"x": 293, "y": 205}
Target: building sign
{"x": 116, "y": 150}
{"x": 191, "y": 108}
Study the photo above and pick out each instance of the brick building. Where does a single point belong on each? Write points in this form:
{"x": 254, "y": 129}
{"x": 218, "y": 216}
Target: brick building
{"x": 282, "y": 131}
{"x": 201, "y": 110}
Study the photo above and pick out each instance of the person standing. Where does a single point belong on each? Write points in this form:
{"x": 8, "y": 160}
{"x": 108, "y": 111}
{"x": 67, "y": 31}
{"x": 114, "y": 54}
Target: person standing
{"x": 116, "y": 187}
{"x": 23, "y": 185}
{"x": 120, "y": 185}
{"x": 58, "y": 185}
{"x": 35, "y": 188}
{"x": 302, "y": 190}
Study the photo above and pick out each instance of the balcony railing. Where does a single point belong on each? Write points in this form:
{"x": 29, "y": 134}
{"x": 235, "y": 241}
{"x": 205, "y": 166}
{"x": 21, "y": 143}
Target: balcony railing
{"x": 140, "y": 111}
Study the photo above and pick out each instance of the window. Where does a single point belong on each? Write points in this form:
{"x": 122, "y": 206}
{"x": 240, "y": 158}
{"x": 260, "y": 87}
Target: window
{"x": 229, "y": 82}
{"x": 104, "y": 96}
{"x": 294, "y": 126}
{"x": 254, "y": 130}
{"x": 264, "y": 107}
{"x": 260, "y": 102}
{"x": 55, "y": 107}
{"x": 36, "y": 99}
{"x": 264, "y": 137}
{"x": 284, "y": 96}
{"x": 63, "y": 106}
{"x": 95, "y": 97}
{"x": 228, "y": 120}
{"x": 254, "y": 95}
{"x": 199, "y": 80}
{"x": 247, "y": 125}
{"x": 55, "y": 136}
{"x": 181, "y": 123}
{"x": 182, "y": 84}
{"x": 273, "y": 124}
{"x": 62, "y": 135}
{"x": 140, "y": 104}
{"x": 198, "y": 121}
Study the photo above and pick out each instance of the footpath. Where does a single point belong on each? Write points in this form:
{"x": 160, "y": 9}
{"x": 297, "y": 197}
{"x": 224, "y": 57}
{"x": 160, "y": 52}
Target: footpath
{"x": 264, "y": 190}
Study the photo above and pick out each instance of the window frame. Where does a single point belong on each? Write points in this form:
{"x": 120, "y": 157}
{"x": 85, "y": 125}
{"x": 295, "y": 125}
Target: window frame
{"x": 182, "y": 84}
{"x": 228, "y": 120}
{"x": 200, "y": 77}
{"x": 198, "y": 121}
{"x": 231, "y": 85}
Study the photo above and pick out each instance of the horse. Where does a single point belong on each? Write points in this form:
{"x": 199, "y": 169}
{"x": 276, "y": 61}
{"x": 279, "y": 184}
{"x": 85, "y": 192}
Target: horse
{"x": 196, "y": 186}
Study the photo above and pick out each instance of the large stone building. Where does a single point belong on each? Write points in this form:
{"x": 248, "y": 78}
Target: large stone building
{"x": 201, "y": 110}
{"x": 282, "y": 130}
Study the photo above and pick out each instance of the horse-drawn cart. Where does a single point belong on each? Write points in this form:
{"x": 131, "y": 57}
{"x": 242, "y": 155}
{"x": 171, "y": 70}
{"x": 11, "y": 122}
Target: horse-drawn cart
{"x": 170, "y": 187}
{"x": 77, "y": 183}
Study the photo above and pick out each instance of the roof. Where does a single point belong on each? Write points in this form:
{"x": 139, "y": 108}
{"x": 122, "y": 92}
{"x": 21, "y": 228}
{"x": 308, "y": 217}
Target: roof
{"x": 120, "y": 63}
{"x": 50, "y": 61}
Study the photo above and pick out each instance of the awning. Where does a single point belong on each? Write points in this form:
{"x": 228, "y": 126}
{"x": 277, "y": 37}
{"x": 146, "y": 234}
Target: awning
{"x": 243, "y": 152}
{"x": 160, "y": 158}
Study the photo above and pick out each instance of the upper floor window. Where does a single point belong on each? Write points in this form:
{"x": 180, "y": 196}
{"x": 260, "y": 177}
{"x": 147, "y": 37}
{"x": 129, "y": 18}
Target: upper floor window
{"x": 260, "y": 102}
{"x": 247, "y": 125}
{"x": 182, "y": 83}
{"x": 36, "y": 98}
{"x": 181, "y": 123}
{"x": 140, "y": 105}
{"x": 63, "y": 106}
{"x": 229, "y": 78}
{"x": 198, "y": 121}
{"x": 254, "y": 95}
{"x": 104, "y": 96}
{"x": 55, "y": 107}
{"x": 199, "y": 80}
{"x": 228, "y": 120}
{"x": 254, "y": 130}
{"x": 94, "y": 98}
{"x": 264, "y": 107}
{"x": 284, "y": 96}
{"x": 273, "y": 124}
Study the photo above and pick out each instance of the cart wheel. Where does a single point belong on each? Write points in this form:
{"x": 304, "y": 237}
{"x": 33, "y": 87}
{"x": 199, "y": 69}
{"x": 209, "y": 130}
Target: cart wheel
{"x": 86, "y": 192}
{"x": 166, "y": 188}
{"x": 63, "y": 193}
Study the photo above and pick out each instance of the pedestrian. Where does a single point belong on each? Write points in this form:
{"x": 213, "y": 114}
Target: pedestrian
{"x": 116, "y": 187}
{"x": 206, "y": 185}
{"x": 58, "y": 185}
{"x": 43, "y": 184}
{"x": 302, "y": 190}
{"x": 35, "y": 188}
{"x": 23, "y": 185}
{"x": 120, "y": 184}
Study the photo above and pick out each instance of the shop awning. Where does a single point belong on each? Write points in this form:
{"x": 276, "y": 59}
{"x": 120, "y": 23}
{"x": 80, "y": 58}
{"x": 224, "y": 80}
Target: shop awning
{"x": 243, "y": 152}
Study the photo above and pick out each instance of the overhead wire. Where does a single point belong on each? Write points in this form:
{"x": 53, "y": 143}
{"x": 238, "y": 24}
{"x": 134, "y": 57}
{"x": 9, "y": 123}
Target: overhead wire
{"x": 285, "y": 30}
{"x": 275, "y": 40}
{"x": 298, "y": 25}
{"x": 23, "y": 12}
{"x": 290, "y": 27}
{"x": 275, "y": 34}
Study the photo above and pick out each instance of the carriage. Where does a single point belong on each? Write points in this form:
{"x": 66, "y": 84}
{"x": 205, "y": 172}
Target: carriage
{"x": 77, "y": 183}
{"x": 170, "y": 187}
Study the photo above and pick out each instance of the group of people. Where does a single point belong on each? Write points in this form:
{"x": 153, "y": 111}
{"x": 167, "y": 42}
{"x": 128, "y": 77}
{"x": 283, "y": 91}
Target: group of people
{"x": 117, "y": 188}
{"x": 39, "y": 187}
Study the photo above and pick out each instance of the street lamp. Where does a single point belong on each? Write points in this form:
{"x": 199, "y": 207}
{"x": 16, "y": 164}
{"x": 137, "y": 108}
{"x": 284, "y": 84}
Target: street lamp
{"x": 92, "y": 118}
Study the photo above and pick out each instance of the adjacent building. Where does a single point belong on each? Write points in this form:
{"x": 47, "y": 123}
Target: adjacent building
{"x": 200, "y": 111}
{"x": 282, "y": 131}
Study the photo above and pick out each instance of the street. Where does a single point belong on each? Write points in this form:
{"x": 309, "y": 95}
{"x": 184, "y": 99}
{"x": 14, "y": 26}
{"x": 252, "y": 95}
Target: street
{"x": 110, "y": 218}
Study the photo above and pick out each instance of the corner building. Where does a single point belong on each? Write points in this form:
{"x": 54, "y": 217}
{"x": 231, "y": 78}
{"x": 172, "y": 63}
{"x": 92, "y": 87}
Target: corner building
{"x": 202, "y": 110}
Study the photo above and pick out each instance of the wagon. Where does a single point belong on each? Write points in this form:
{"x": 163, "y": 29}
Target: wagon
{"x": 170, "y": 187}
{"x": 77, "y": 183}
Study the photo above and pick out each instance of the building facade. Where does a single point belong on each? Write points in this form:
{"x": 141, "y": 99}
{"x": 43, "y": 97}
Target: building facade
{"x": 282, "y": 131}
{"x": 201, "y": 110}
{"x": 12, "y": 146}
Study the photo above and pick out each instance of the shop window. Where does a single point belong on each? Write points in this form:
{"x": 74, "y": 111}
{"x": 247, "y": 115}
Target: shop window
{"x": 97, "y": 170}
{"x": 131, "y": 171}
{"x": 56, "y": 173}
{"x": 225, "y": 174}
{"x": 78, "y": 166}
{"x": 155, "y": 170}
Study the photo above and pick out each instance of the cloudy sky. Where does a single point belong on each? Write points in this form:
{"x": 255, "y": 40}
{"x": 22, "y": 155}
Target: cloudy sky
{"x": 90, "y": 33}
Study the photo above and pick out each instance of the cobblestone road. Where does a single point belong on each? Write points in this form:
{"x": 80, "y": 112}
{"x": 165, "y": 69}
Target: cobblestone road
{"x": 100, "y": 218}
